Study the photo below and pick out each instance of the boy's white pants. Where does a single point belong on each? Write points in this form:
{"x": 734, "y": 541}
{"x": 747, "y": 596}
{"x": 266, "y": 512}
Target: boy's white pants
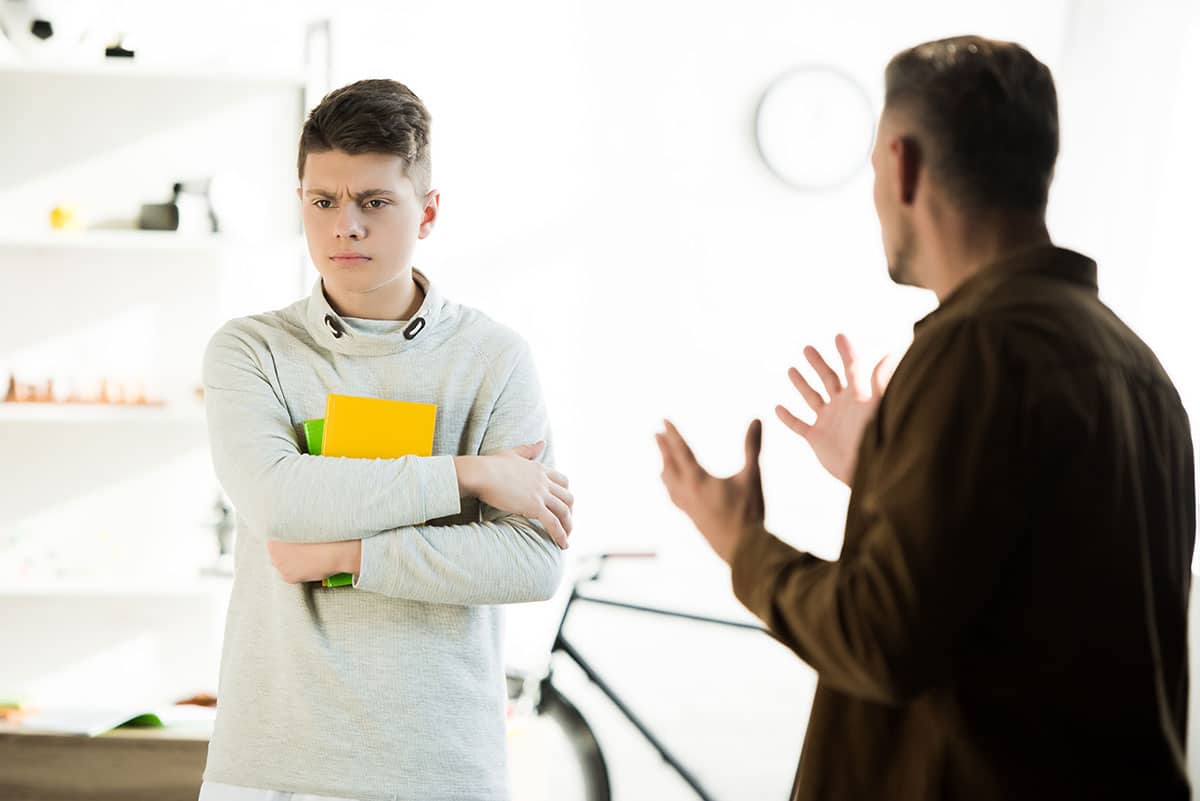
{"x": 212, "y": 791}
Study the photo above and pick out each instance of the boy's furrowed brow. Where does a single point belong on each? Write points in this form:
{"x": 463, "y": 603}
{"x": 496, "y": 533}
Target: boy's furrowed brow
{"x": 357, "y": 195}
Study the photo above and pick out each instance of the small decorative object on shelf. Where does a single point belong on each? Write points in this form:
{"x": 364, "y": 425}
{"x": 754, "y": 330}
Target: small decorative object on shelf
{"x": 110, "y": 393}
{"x": 118, "y": 49}
{"x": 65, "y": 218}
{"x": 190, "y": 210}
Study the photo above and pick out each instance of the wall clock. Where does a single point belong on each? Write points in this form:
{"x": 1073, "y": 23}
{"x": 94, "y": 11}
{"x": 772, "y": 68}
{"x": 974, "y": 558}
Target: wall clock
{"x": 814, "y": 127}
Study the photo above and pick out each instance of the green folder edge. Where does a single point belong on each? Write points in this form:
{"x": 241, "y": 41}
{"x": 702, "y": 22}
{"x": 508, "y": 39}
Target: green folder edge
{"x": 314, "y": 436}
{"x": 314, "y": 442}
{"x": 143, "y": 721}
{"x": 148, "y": 720}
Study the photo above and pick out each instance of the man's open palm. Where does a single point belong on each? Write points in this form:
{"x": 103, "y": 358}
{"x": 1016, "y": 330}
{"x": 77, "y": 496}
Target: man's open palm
{"x": 837, "y": 431}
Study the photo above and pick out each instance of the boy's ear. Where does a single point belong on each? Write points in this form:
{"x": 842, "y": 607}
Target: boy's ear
{"x": 430, "y": 213}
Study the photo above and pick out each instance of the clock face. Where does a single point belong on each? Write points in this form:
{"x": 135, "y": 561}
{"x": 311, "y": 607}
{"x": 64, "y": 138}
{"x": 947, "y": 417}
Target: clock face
{"x": 815, "y": 127}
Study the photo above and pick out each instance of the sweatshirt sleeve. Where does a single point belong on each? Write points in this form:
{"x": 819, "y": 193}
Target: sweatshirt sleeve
{"x": 503, "y": 558}
{"x": 941, "y": 512}
{"x": 290, "y": 495}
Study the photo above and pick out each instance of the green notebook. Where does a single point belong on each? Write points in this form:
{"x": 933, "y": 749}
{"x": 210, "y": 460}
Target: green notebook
{"x": 314, "y": 436}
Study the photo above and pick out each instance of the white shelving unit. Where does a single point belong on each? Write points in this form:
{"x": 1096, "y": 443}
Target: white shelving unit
{"x": 133, "y": 241}
{"x": 192, "y": 414}
{"x": 112, "y": 301}
{"x": 132, "y": 70}
{"x": 108, "y": 513}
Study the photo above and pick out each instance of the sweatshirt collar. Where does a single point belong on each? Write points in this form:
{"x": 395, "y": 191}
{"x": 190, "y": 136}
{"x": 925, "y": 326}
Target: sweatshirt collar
{"x": 331, "y": 331}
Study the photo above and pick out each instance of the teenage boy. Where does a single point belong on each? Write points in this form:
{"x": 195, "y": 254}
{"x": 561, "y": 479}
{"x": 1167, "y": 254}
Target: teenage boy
{"x": 392, "y": 689}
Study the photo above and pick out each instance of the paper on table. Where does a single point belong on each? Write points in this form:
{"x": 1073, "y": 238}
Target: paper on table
{"x": 91, "y": 721}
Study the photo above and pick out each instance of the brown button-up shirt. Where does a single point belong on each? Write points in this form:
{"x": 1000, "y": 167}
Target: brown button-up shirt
{"x": 1007, "y": 619}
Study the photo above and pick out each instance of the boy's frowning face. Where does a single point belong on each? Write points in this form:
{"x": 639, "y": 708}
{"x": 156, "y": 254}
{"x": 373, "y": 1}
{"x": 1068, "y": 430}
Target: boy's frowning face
{"x": 362, "y": 219}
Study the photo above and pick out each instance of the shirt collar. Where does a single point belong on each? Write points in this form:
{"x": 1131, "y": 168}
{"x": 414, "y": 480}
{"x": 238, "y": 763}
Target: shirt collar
{"x": 331, "y": 331}
{"x": 1047, "y": 260}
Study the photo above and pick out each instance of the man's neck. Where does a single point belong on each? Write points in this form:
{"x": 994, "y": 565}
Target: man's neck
{"x": 398, "y": 299}
{"x": 974, "y": 243}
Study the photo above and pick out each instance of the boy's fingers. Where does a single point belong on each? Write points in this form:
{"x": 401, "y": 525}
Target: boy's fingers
{"x": 531, "y": 451}
{"x": 558, "y": 478}
{"x": 560, "y": 510}
{"x": 553, "y": 528}
{"x": 563, "y": 494}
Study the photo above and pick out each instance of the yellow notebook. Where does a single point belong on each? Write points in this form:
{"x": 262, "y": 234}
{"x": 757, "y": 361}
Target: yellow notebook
{"x": 373, "y": 428}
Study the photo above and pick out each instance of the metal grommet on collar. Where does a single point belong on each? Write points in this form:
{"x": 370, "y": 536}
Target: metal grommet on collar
{"x": 333, "y": 326}
{"x": 414, "y": 328}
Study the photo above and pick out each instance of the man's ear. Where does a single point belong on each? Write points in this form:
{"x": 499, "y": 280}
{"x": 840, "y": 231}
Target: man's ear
{"x": 909, "y": 163}
{"x": 430, "y": 213}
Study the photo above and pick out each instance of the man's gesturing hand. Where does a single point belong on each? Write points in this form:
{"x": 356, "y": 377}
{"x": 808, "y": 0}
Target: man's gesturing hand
{"x": 721, "y": 508}
{"x": 513, "y": 482}
{"x": 837, "y": 431}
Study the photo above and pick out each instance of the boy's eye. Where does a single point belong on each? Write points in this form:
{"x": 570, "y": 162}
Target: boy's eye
{"x": 376, "y": 204}
{"x": 322, "y": 204}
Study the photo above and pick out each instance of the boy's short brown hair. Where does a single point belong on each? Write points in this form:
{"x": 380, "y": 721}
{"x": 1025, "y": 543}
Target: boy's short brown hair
{"x": 372, "y": 116}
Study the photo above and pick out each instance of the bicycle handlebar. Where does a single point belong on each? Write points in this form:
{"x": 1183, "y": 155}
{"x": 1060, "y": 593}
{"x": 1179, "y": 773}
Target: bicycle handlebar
{"x": 602, "y": 559}
{"x": 629, "y": 555}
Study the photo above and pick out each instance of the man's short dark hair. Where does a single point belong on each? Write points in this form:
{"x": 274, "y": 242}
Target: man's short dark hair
{"x": 372, "y": 116}
{"x": 987, "y": 118}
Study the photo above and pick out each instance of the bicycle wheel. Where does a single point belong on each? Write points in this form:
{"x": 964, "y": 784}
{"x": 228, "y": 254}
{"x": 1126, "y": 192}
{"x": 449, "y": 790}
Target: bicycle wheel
{"x": 554, "y": 754}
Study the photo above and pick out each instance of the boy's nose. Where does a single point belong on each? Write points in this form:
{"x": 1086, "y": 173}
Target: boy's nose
{"x": 349, "y": 226}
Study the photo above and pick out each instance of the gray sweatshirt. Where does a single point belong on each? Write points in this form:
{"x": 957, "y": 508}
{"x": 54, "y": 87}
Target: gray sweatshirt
{"x": 392, "y": 690}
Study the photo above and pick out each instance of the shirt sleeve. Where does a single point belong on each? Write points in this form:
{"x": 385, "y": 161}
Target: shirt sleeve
{"x": 941, "y": 510}
{"x": 503, "y": 558}
{"x": 293, "y": 496}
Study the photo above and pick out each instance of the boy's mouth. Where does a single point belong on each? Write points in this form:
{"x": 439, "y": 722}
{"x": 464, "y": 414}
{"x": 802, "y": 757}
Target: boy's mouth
{"x": 349, "y": 258}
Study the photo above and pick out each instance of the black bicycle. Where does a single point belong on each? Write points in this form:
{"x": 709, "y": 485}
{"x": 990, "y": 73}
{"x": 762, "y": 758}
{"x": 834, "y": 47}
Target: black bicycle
{"x": 576, "y": 767}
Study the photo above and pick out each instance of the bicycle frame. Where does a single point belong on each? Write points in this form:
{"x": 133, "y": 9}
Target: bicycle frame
{"x": 563, "y": 645}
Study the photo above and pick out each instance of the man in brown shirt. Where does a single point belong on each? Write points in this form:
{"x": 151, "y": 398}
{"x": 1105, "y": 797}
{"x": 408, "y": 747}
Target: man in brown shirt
{"x": 1007, "y": 619}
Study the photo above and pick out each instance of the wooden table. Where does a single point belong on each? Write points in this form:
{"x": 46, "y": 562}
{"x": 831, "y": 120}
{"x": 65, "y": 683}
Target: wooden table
{"x": 122, "y": 765}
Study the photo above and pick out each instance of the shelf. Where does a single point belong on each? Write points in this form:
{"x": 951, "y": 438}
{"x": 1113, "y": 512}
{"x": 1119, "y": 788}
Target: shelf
{"x": 99, "y": 413}
{"x": 138, "y": 240}
{"x": 117, "y": 586}
{"x": 132, "y": 70}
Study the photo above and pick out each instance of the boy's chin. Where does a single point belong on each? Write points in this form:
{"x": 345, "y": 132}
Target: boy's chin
{"x": 356, "y": 279}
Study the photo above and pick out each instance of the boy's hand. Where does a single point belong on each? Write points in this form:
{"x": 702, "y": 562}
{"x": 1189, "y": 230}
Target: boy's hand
{"x": 837, "y": 431}
{"x": 300, "y": 561}
{"x": 513, "y": 482}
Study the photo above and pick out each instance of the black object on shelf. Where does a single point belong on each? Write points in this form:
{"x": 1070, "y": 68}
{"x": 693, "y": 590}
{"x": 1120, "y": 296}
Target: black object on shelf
{"x": 117, "y": 50}
{"x": 166, "y": 216}
{"x": 41, "y": 29}
{"x": 159, "y": 217}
